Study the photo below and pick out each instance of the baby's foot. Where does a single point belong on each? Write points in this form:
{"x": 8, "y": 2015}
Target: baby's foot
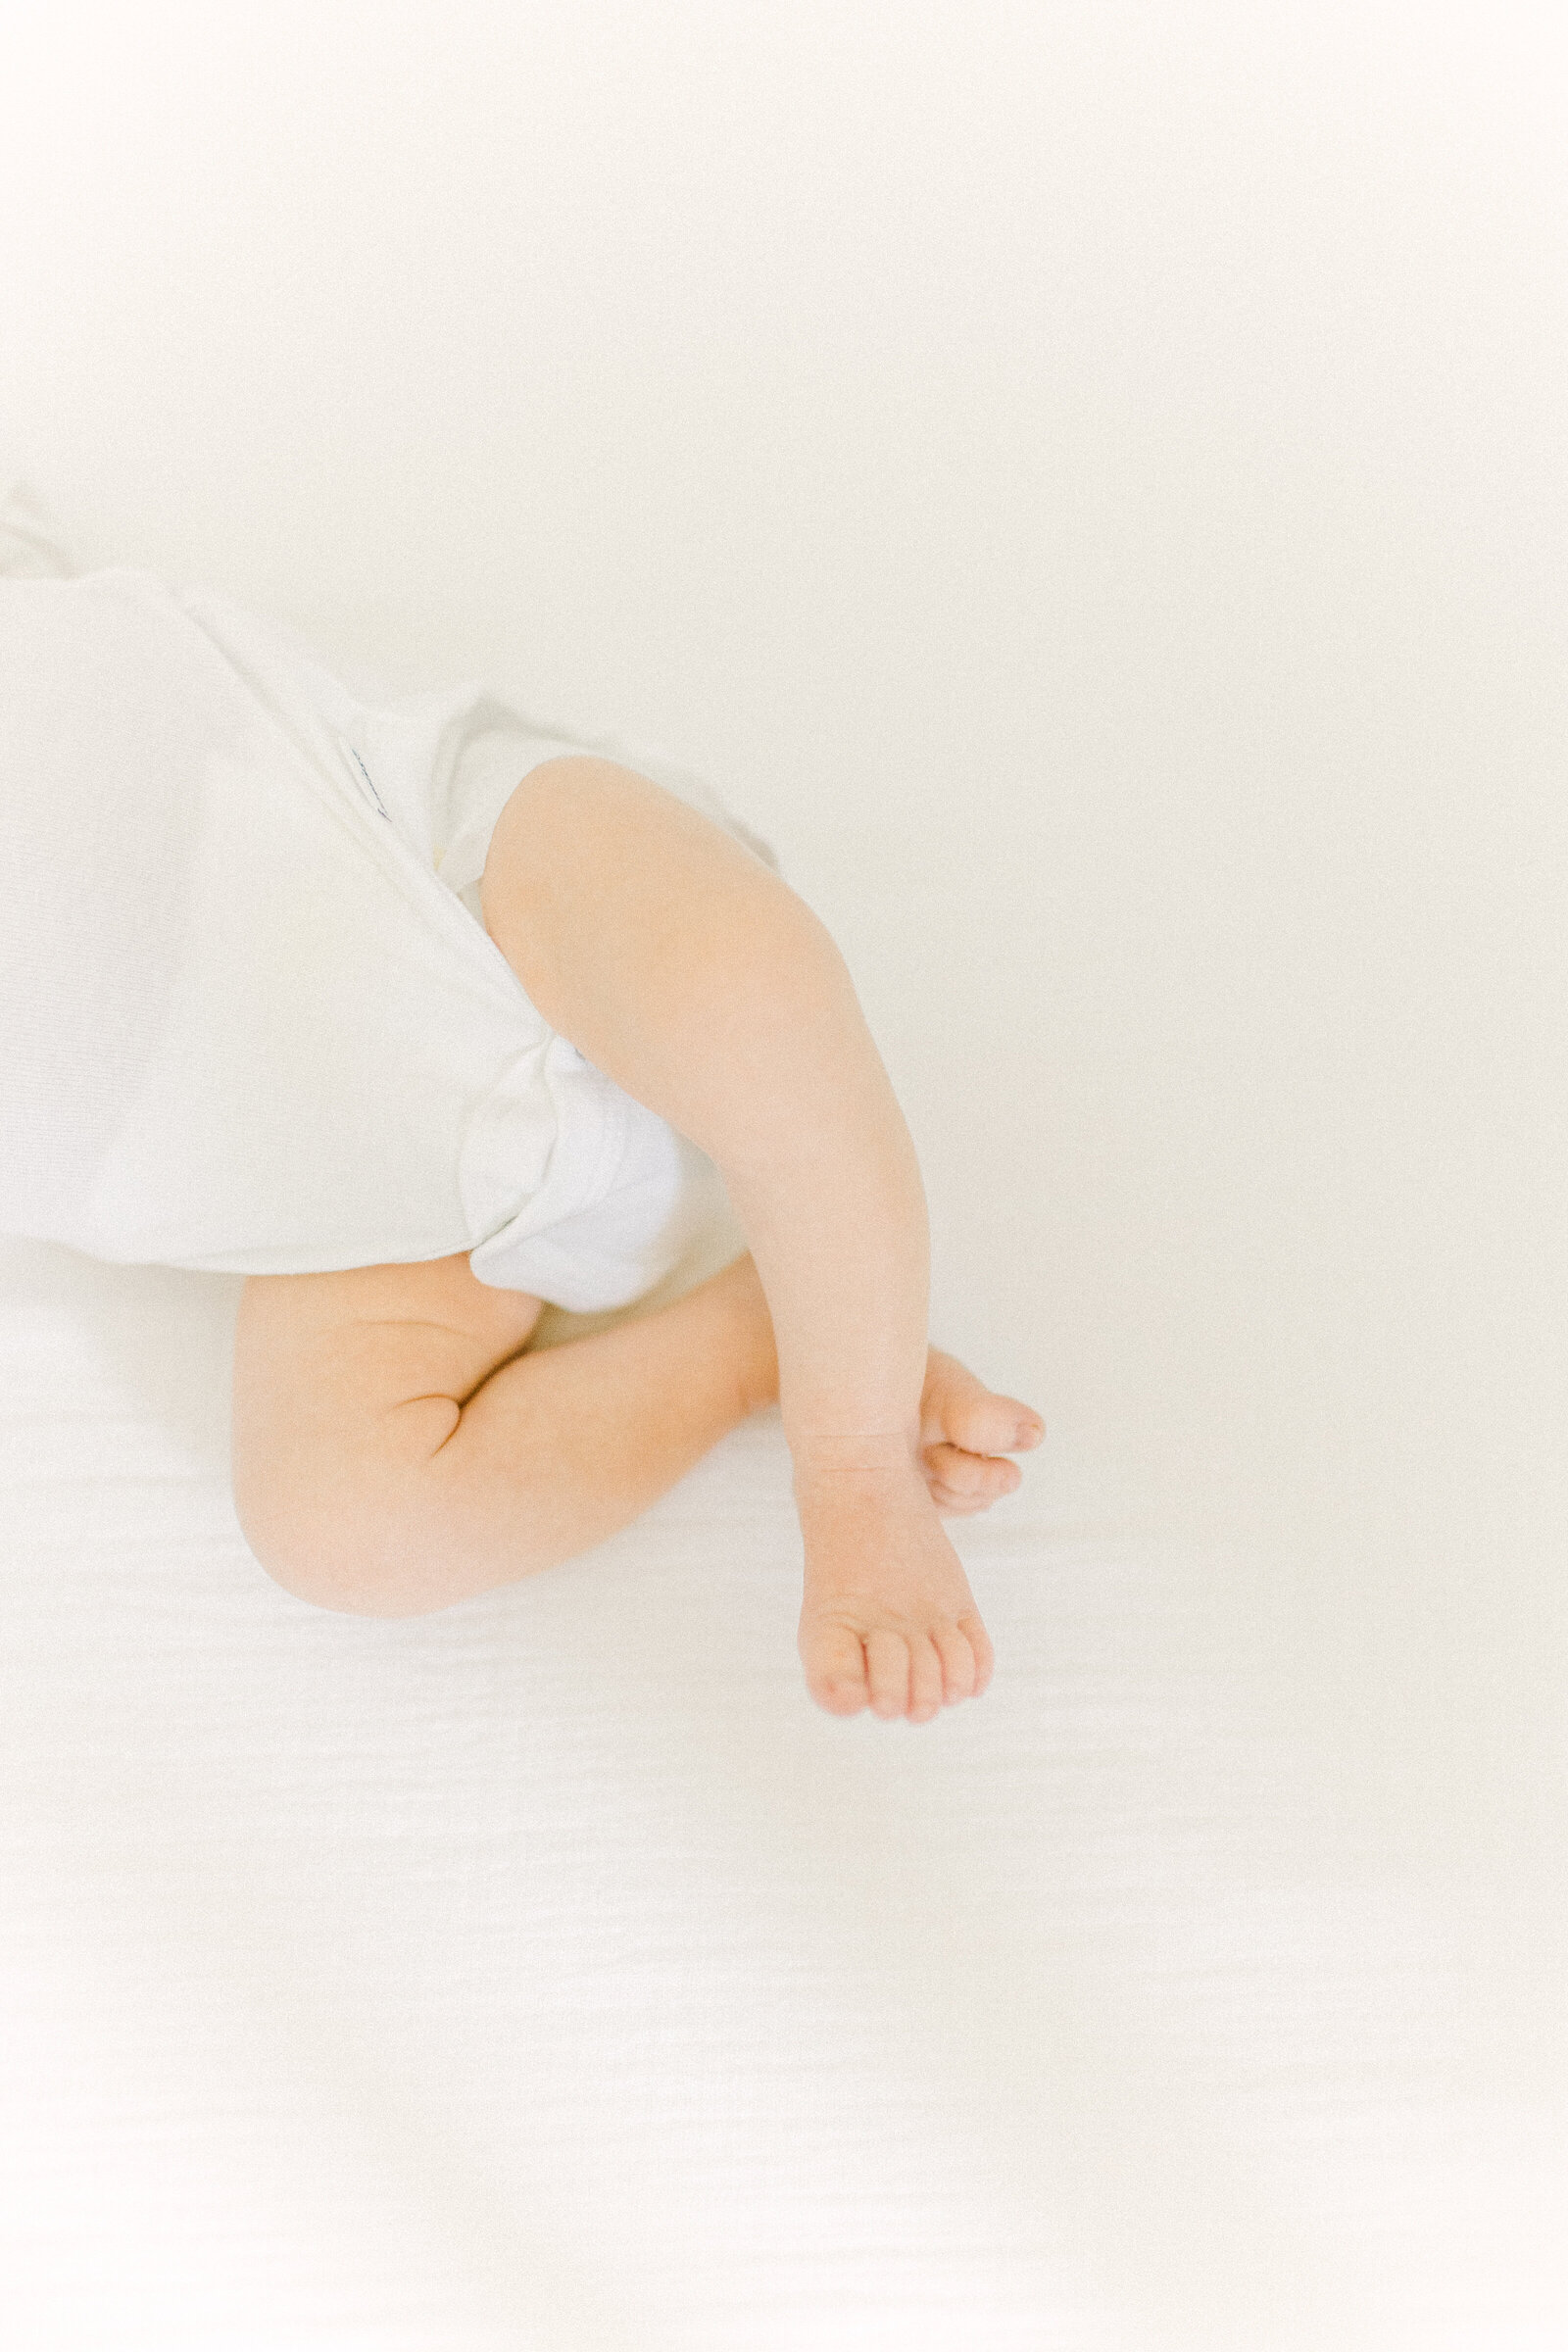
{"x": 964, "y": 1431}
{"x": 886, "y": 1617}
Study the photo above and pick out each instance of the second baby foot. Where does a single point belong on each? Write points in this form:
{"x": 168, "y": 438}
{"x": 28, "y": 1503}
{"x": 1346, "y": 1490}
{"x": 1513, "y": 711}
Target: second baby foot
{"x": 965, "y": 1429}
{"x": 965, "y": 1432}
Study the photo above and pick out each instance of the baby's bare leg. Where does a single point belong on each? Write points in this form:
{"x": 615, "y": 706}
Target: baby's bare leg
{"x": 381, "y": 1470}
{"x": 374, "y": 1476}
{"x": 696, "y": 980}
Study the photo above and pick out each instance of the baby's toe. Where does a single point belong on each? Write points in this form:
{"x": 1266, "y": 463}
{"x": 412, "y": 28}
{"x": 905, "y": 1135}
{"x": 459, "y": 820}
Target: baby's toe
{"x": 887, "y": 1660}
{"x": 958, "y": 1405}
{"x": 926, "y": 1678}
{"x": 958, "y": 1662}
{"x": 985, "y": 1657}
{"x": 835, "y": 1667}
{"x": 983, "y": 1423}
{"x": 971, "y": 1478}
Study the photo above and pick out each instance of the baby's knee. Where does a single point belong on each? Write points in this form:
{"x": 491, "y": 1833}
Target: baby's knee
{"x": 353, "y": 1551}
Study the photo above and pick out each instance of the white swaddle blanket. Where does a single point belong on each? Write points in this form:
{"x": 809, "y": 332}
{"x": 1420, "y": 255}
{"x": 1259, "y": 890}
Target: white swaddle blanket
{"x": 250, "y": 1018}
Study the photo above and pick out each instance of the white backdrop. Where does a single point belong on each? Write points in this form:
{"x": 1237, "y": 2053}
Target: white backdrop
{"x": 1087, "y": 482}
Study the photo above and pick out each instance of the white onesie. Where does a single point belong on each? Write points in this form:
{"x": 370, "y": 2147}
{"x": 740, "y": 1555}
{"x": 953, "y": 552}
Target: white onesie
{"x": 250, "y": 1017}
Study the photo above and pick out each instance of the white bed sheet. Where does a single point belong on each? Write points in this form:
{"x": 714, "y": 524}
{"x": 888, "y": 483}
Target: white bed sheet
{"x": 1093, "y": 481}
{"x": 548, "y": 1973}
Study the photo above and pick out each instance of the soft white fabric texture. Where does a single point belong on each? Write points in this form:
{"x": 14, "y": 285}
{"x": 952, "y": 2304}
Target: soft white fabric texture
{"x": 250, "y": 1017}
{"x": 547, "y": 1975}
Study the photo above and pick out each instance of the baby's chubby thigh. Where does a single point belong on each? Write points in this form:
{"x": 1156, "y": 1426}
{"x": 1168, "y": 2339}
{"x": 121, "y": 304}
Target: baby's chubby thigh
{"x": 344, "y": 1384}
